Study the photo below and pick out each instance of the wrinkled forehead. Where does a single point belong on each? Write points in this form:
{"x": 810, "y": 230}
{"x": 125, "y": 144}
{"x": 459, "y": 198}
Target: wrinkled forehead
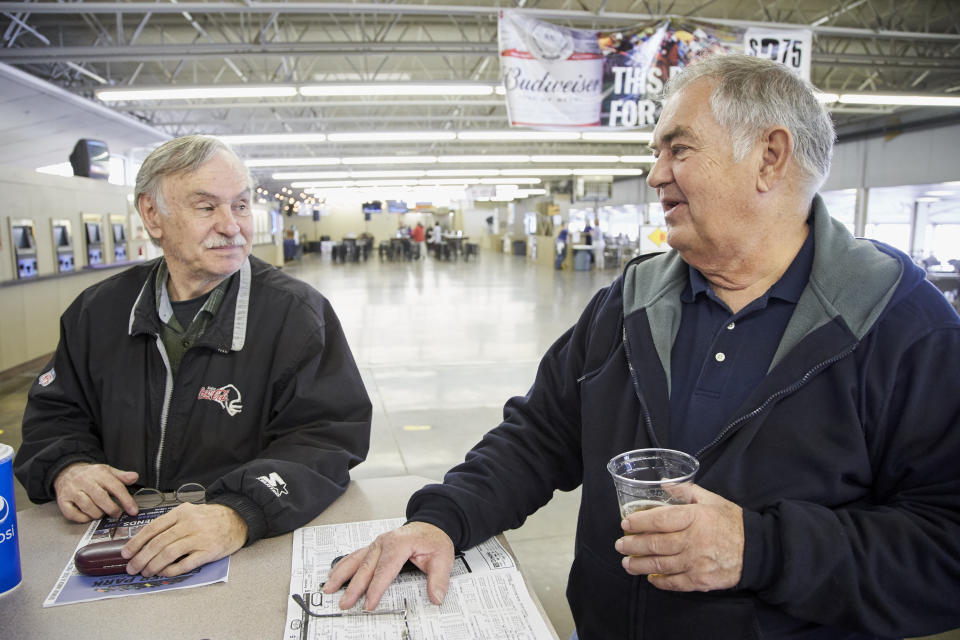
{"x": 223, "y": 174}
{"x": 686, "y": 112}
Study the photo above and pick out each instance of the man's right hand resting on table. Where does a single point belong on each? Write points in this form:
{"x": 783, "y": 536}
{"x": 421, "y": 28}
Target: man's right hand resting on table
{"x": 371, "y": 569}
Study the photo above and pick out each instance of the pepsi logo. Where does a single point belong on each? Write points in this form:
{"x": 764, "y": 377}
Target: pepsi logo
{"x": 4, "y": 509}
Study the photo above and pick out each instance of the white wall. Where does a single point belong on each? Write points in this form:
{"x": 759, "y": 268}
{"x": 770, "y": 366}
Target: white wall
{"x": 915, "y": 157}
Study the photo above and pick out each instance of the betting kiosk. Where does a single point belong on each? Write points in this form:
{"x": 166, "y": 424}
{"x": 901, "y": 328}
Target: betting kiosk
{"x": 93, "y": 231}
{"x": 23, "y": 240}
{"x": 63, "y": 245}
{"x": 118, "y": 227}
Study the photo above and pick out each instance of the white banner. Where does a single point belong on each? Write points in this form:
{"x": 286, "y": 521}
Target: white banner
{"x": 553, "y": 75}
{"x": 557, "y": 76}
{"x": 791, "y": 48}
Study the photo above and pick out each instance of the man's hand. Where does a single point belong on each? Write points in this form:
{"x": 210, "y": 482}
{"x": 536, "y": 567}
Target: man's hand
{"x": 690, "y": 547}
{"x": 87, "y": 491}
{"x": 372, "y": 569}
{"x": 184, "y": 538}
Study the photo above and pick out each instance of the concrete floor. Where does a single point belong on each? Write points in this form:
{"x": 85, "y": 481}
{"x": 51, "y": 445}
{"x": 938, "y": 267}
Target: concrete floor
{"x": 441, "y": 346}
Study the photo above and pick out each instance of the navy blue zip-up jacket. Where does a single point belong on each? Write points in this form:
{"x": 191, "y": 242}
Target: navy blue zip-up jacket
{"x": 844, "y": 459}
{"x": 267, "y": 410}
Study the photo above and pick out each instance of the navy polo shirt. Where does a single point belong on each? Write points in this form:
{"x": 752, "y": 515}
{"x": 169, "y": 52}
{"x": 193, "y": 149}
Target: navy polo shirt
{"x": 719, "y": 357}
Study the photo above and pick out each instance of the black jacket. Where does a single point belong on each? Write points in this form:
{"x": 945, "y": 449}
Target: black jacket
{"x": 267, "y": 409}
{"x": 844, "y": 458}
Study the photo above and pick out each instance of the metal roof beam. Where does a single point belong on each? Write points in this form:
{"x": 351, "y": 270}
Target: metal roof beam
{"x": 359, "y": 9}
{"x": 124, "y": 53}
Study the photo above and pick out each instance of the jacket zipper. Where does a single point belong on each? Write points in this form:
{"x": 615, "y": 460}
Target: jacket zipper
{"x": 636, "y": 387}
{"x": 785, "y": 391}
{"x": 167, "y": 395}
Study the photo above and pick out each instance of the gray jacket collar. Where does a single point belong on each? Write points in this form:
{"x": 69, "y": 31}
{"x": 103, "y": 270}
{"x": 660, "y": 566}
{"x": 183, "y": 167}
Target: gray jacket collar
{"x": 145, "y": 308}
{"x": 851, "y": 279}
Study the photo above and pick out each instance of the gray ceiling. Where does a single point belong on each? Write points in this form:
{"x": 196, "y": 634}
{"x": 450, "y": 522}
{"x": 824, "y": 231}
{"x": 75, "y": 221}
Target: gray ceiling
{"x": 859, "y": 45}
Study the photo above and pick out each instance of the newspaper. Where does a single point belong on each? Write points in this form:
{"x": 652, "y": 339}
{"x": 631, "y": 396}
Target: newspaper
{"x": 487, "y": 597}
{"x": 73, "y": 587}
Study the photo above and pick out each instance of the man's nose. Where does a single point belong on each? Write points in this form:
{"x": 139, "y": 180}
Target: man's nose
{"x": 659, "y": 174}
{"x": 226, "y": 221}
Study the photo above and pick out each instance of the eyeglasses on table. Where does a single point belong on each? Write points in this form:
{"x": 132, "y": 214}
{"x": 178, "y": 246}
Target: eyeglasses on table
{"x": 191, "y": 492}
{"x": 303, "y": 601}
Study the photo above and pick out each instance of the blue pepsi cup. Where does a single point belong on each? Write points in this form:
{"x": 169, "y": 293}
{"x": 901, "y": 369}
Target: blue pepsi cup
{"x": 9, "y": 544}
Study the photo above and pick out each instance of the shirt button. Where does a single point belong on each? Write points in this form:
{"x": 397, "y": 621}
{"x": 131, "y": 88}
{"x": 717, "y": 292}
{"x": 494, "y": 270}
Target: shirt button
{"x": 720, "y": 356}
{"x": 186, "y": 344}
{"x": 731, "y": 326}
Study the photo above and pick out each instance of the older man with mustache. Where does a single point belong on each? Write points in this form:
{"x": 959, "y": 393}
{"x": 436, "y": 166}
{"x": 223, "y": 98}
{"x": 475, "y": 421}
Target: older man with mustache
{"x": 206, "y": 366}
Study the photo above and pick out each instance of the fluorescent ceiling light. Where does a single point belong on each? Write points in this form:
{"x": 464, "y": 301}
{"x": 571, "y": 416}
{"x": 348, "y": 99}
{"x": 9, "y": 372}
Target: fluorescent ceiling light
{"x": 446, "y": 181}
{"x": 393, "y": 136}
{"x": 462, "y": 173}
{"x": 616, "y": 136}
{"x": 275, "y": 138}
{"x": 328, "y": 184}
{"x": 290, "y": 162}
{"x": 388, "y": 174}
{"x": 574, "y": 159}
{"x": 905, "y": 100}
{"x": 927, "y": 199}
{"x": 389, "y": 160}
{"x": 478, "y": 159}
{"x": 341, "y": 175}
{"x": 609, "y": 171}
{"x": 398, "y": 89}
{"x": 940, "y": 193}
{"x": 510, "y": 180}
{"x": 383, "y": 183}
{"x": 310, "y": 175}
{"x": 196, "y": 93}
{"x": 542, "y": 172}
{"x": 638, "y": 159}
{"x": 826, "y": 98}
{"x": 508, "y": 135}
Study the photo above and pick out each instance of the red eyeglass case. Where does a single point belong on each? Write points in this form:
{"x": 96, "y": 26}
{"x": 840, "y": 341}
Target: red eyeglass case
{"x": 101, "y": 558}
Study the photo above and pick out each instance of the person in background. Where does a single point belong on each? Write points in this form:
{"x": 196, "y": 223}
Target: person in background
{"x": 207, "y": 366}
{"x": 562, "y": 237}
{"x": 807, "y": 370}
{"x": 437, "y": 240}
{"x": 418, "y": 235}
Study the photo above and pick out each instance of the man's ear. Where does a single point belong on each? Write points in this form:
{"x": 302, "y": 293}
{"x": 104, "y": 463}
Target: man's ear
{"x": 150, "y": 214}
{"x": 777, "y": 143}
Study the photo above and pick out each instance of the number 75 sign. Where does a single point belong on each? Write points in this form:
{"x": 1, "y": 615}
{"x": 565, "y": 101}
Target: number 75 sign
{"x": 792, "y": 48}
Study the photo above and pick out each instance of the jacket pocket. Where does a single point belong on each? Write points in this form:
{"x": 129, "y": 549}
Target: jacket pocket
{"x": 698, "y": 616}
{"x": 603, "y": 601}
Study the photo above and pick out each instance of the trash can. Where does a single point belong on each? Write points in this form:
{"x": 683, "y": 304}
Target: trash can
{"x": 519, "y": 247}
{"x": 581, "y": 260}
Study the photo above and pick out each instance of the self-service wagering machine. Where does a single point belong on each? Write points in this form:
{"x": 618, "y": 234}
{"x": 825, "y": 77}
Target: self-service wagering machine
{"x": 23, "y": 242}
{"x": 63, "y": 245}
{"x": 118, "y": 228}
{"x": 93, "y": 232}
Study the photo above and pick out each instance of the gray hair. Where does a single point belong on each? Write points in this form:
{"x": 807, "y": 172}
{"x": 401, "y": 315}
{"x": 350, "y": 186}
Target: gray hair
{"x": 179, "y": 155}
{"x": 753, "y": 94}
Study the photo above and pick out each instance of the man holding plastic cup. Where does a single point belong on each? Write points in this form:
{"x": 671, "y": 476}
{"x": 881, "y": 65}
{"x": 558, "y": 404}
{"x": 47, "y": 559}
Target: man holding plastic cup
{"x": 812, "y": 375}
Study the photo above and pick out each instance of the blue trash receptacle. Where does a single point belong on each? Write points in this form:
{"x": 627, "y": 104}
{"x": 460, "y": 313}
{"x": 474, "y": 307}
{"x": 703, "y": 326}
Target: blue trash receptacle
{"x": 581, "y": 260}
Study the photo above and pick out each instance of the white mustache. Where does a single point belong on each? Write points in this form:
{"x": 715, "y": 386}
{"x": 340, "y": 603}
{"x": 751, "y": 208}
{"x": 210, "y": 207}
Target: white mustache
{"x": 219, "y": 241}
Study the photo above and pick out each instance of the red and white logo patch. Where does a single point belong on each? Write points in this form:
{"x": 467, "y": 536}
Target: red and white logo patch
{"x": 227, "y": 397}
{"x": 46, "y": 378}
